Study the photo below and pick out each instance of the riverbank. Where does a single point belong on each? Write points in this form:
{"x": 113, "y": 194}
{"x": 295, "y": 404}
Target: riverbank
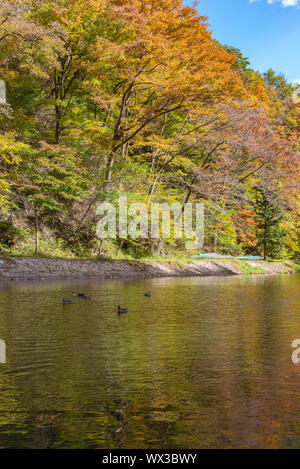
{"x": 29, "y": 268}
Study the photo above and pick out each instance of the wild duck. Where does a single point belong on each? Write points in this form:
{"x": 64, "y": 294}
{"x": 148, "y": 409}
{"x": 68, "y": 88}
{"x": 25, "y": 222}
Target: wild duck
{"x": 148, "y": 294}
{"x": 86, "y": 297}
{"x": 67, "y": 302}
{"x": 122, "y": 310}
{"x": 82, "y": 295}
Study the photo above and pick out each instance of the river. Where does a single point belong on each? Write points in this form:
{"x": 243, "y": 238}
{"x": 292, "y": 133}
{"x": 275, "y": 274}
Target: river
{"x": 203, "y": 363}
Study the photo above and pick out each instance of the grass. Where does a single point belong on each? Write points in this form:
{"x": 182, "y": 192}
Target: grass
{"x": 249, "y": 269}
{"x": 56, "y": 249}
{"x": 48, "y": 248}
{"x": 179, "y": 259}
{"x": 51, "y": 248}
{"x": 296, "y": 267}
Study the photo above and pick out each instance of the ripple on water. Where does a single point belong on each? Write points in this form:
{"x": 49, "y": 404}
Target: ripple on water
{"x": 204, "y": 362}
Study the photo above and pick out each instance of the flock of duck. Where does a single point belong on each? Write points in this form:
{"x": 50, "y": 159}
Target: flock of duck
{"x": 83, "y": 296}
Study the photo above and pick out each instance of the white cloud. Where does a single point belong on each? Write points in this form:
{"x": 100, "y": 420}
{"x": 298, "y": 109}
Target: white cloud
{"x": 288, "y": 3}
{"x": 284, "y": 3}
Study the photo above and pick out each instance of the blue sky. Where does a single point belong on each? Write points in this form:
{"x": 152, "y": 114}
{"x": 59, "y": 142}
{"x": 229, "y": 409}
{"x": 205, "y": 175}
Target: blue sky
{"x": 266, "y": 31}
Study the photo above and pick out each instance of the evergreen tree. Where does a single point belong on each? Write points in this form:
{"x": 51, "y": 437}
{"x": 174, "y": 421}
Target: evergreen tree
{"x": 268, "y": 216}
{"x": 279, "y": 82}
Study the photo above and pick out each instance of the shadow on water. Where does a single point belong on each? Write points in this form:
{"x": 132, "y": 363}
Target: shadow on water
{"x": 203, "y": 363}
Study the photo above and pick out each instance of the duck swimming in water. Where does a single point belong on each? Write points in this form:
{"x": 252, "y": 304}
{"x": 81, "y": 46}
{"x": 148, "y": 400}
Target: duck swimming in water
{"x": 67, "y": 302}
{"x": 82, "y": 295}
{"x": 122, "y": 310}
{"x": 86, "y": 297}
{"x": 148, "y": 295}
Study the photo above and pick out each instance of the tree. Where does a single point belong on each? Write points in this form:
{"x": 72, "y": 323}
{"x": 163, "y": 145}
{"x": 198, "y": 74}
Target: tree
{"x": 268, "y": 216}
{"x": 49, "y": 184}
{"x": 10, "y": 156}
{"x": 279, "y": 83}
{"x": 154, "y": 98}
{"x": 135, "y": 97}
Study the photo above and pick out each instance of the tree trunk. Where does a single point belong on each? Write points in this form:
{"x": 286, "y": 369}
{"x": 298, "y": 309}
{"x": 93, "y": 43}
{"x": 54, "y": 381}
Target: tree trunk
{"x": 152, "y": 187}
{"x": 215, "y": 242}
{"x": 58, "y": 114}
{"x": 36, "y": 235}
{"x": 120, "y": 246}
{"x": 108, "y": 171}
{"x": 265, "y": 234}
{"x": 189, "y": 193}
{"x": 100, "y": 247}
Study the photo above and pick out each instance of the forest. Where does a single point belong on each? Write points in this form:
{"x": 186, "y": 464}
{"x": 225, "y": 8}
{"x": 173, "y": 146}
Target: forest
{"x": 102, "y": 98}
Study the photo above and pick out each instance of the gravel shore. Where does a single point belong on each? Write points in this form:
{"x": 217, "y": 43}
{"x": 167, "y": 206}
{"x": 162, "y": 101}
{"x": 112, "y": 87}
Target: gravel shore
{"x": 27, "y": 268}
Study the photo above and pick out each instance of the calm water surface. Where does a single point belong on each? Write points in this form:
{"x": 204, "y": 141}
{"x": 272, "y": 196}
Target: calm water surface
{"x": 203, "y": 363}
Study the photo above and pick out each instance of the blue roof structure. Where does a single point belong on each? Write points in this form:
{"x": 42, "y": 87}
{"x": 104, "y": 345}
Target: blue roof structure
{"x": 214, "y": 255}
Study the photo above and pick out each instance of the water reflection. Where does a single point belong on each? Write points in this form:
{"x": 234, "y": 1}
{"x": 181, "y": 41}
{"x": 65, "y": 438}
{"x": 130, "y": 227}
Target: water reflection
{"x": 203, "y": 363}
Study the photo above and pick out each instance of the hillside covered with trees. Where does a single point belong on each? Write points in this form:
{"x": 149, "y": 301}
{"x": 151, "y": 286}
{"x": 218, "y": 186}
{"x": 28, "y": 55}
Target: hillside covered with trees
{"x": 135, "y": 97}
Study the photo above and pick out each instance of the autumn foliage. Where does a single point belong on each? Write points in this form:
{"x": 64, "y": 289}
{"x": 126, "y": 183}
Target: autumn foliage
{"x": 135, "y": 96}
